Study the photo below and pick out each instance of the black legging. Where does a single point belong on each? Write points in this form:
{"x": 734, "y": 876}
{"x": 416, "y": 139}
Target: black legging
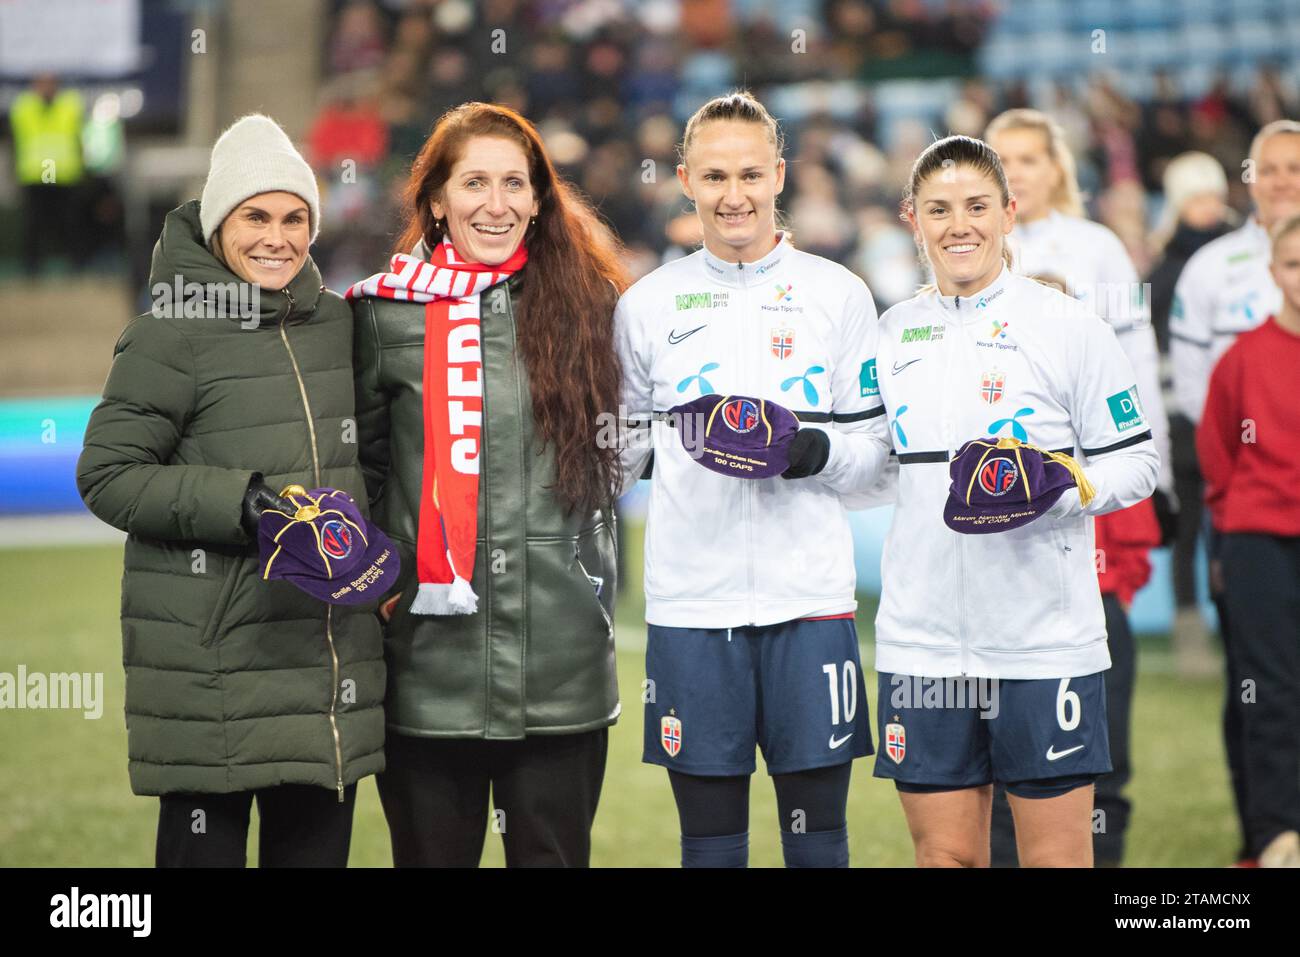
{"x": 714, "y": 807}
{"x": 299, "y": 826}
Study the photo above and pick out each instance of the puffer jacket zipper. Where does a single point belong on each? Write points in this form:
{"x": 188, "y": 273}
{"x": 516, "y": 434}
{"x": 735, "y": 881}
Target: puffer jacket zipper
{"x": 329, "y": 609}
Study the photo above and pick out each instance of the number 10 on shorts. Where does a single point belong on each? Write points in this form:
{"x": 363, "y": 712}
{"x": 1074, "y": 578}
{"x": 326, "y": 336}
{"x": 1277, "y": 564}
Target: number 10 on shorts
{"x": 844, "y": 691}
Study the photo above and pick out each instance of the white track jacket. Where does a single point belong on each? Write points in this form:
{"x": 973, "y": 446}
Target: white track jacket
{"x": 1224, "y": 290}
{"x": 793, "y": 328}
{"x": 1017, "y": 359}
{"x": 1097, "y": 270}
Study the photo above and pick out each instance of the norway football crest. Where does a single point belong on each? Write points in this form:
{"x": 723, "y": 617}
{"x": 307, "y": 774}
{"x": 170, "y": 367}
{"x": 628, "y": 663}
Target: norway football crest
{"x": 741, "y": 415}
{"x": 670, "y": 734}
{"x": 336, "y": 539}
{"x": 997, "y": 476}
{"x": 895, "y": 742}
{"x": 991, "y": 386}
{"x": 782, "y": 343}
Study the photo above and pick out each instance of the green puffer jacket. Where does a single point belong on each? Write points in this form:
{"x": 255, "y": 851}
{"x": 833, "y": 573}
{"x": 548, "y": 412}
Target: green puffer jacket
{"x": 538, "y": 655}
{"x": 232, "y": 683}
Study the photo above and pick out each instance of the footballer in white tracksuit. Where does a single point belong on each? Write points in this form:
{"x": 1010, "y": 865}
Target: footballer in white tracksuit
{"x": 1018, "y": 359}
{"x": 1096, "y": 269}
{"x": 750, "y": 584}
{"x": 1224, "y": 290}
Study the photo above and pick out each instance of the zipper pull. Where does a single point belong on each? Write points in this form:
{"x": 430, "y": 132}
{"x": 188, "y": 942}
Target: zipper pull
{"x": 288, "y": 311}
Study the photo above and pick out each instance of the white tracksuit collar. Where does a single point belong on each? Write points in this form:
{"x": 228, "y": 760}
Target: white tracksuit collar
{"x": 963, "y": 308}
{"x": 1257, "y": 234}
{"x": 745, "y": 274}
{"x": 1039, "y": 228}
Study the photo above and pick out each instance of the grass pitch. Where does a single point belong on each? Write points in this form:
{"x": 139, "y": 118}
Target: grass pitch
{"x": 65, "y": 799}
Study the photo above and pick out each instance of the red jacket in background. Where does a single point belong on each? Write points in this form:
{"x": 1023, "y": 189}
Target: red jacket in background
{"x": 347, "y": 132}
{"x": 1249, "y": 437}
{"x": 1123, "y": 540}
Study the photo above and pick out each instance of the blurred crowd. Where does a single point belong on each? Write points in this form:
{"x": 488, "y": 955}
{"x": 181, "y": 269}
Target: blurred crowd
{"x": 610, "y": 84}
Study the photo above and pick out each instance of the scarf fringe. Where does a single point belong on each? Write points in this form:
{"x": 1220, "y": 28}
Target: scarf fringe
{"x": 457, "y": 598}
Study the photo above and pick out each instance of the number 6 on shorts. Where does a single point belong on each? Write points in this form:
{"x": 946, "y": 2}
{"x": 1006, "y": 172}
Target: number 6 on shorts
{"x": 1067, "y": 700}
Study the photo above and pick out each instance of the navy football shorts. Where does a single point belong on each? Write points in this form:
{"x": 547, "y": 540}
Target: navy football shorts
{"x": 1039, "y": 737}
{"x": 795, "y": 689}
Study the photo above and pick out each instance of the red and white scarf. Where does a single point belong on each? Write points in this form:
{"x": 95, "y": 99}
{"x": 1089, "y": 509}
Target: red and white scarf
{"x": 453, "y": 413}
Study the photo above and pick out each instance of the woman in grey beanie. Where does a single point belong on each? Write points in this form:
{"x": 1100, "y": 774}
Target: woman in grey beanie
{"x": 257, "y": 180}
{"x": 237, "y": 688}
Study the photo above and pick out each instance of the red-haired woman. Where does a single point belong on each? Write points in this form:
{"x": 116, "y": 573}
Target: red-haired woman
{"x": 485, "y": 368}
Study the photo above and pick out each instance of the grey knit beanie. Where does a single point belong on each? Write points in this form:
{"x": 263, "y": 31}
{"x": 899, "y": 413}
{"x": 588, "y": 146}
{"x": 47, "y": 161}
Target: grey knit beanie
{"x": 255, "y": 156}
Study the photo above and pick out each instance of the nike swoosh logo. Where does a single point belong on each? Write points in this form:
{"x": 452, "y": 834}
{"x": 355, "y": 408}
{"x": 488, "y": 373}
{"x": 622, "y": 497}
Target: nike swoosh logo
{"x": 836, "y": 743}
{"x": 1053, "y": 754}
{"x": 897, "y": 368}
{"x": 674, "y": 337}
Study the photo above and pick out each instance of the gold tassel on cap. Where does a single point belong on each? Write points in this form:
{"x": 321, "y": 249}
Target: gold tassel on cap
{"x": 1086, "y": 490}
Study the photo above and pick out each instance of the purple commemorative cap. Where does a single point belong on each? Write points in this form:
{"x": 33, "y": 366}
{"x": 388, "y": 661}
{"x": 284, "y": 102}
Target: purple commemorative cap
{"x": 326, "y": 548}
{"x": 737, "y": 435}
{"x": 1000, "y": 484}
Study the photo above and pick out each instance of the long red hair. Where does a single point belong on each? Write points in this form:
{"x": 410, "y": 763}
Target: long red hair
{"x": 571, "y": 284}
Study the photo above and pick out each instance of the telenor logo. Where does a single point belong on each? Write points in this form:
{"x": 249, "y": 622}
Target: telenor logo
{"x": 1017, "y": 430}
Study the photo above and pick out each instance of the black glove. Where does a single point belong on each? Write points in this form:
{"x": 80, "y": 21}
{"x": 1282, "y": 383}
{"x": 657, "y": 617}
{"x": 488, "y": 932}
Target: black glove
{"x": 1166, "y": 516}
{"x": 257, "y": 499}
{"x": 808, "y": 453}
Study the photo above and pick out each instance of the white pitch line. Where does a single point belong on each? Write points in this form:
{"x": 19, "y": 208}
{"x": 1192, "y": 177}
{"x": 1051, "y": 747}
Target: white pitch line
{"x": 41, "y": 531}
